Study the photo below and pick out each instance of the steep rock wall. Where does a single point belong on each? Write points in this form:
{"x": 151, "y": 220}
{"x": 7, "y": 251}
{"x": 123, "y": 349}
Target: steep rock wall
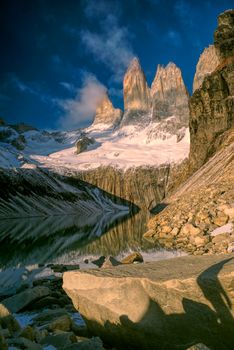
{"x": 145, "y": 187}
{"x": 212, "y": 105}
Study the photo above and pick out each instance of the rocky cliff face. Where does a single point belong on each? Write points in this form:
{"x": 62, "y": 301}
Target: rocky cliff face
{"x": 169, "y": 94}
{"x": 208, "y": 62}
{"x": 107, "y": 114}
{"x": 137, "y": 100}
{"x": 224, "y": 34}
{"x": 143, "y": 186}
{"x": 212, "y": 105}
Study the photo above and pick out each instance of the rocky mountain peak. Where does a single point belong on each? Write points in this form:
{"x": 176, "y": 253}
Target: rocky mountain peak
{"x": 106, "y": 113}
{"x": 134, "y": 65}
{"x": 169, "y": 94}
{"x": 208, "y": 62}
{"x": 137, "y": 100}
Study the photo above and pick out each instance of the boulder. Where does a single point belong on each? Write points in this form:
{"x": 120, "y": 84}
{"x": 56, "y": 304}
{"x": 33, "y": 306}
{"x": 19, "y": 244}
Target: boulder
{"x": 109, "y": 262}
{"x": 133, "y": 258}
{"x": 48, "y": 316}
{"x": 60, "y": 341}
{"x": 83, "y": 143}
{"x": 24, "y": 343}
{"x": 171, "y": 303}
{"x": 25, "y": 298}
{"x": 62, "y": 323}
{"x": 94, "y": 343}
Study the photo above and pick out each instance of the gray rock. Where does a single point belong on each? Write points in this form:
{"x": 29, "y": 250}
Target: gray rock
{"x": 83, "y": 143}
{"x": 60, "y": 341}
{"x": 25, "y": 298}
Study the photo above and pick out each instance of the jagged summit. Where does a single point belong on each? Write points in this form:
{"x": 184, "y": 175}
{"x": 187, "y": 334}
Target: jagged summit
{"x": 106, "y": 113}
{"x": 137, "y": 100}
{"x": 169, "y": 94}
{"x": 208, "y": 62}
{"x": 134, "y": 64}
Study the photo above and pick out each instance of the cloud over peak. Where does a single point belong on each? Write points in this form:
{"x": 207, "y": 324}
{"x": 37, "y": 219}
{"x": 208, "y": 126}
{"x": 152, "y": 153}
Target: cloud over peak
{"x": 78, "y": 112}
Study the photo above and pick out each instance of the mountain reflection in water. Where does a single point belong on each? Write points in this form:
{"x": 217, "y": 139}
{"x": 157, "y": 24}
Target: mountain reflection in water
{"x": 42, "y": 240}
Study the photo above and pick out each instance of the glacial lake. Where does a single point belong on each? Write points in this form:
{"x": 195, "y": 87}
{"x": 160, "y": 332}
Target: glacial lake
{"x": 27, "y": 244}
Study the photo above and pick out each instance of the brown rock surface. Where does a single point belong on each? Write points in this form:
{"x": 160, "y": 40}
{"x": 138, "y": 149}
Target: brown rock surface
{"x": 107, "y": 114}
{"x": 137, "y": 100}
{"x": 208, "y": 62}
{"x": 212, "y": 105}
{"x": 169, "y": 94}
{"x": 169, "y": 304}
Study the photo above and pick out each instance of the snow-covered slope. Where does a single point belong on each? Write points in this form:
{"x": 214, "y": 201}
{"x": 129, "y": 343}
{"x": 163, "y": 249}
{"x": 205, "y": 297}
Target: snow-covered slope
{"x": 129, "y": 146}
{"x": 124, "y": 148}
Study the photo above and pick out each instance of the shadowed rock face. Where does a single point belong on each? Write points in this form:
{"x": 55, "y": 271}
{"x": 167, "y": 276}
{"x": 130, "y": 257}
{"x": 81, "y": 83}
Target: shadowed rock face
{"x": 107, "y": 114}
{"x": 170, "y": 304}
{"x": 224, "y": 34}
{"x": 212, "y": 105}
{"x": 169, "y": 94}
{"x": 208, "y": 62}
{"x": 137, "y": 101}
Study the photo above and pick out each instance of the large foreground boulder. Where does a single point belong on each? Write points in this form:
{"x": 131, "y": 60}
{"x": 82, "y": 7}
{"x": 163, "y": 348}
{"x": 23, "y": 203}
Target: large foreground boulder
{"x": 170, "y": 304}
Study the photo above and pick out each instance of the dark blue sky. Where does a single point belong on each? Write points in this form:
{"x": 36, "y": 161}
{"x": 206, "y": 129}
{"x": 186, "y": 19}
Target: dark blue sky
{"x": 57, "y": 56}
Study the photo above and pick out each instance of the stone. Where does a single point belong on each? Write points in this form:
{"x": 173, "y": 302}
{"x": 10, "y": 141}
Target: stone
{"x": 169, "y": 302}
{"x": 190, "y": 230}
{"x": 48, "y": 316}
{"x": 110, "y": 262}
{"x": 137, "y": 99}
{"x": 198, "y": 346}
{"x": 20, "y": 301}
{"x": 28, "y": 332}
{"x": 106, "y": 113}
{"x": 63, "y": 323}
{"x": 221, "y": 219}
{"x": 208, "y": 62}
{"x": 100, "y": 261}
{"x": 133, "y": 258}
{"x": 83, "y": 143}
{"x": 94, "y": 343}
{"x": 3, "y": 342}
{"x": 9, "y": 322}
{"x": 169, "y": 94}
{"x": 46, "y": 302}
{"x": 24, "y": 343}
{"x": 60, "y": 341}
{"x": 63, "y": 268}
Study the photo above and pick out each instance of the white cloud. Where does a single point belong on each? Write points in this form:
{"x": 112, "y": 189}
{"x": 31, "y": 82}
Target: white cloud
{"x": 101, "y": 8}
{"x": 110, "y": 46}
{"x": 78, "y": 112}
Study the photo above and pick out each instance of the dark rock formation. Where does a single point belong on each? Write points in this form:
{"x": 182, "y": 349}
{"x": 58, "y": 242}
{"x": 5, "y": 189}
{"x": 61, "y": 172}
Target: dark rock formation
{"x": 137, "y": 100}
{"x": 212, "y": 105}
{"x": 107, "y": 114}
{"x": 224, "y": 34}
{"x": 169, "y": 94}
{"x": 208, "y": 62}
{"x": 83, "y": 143}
